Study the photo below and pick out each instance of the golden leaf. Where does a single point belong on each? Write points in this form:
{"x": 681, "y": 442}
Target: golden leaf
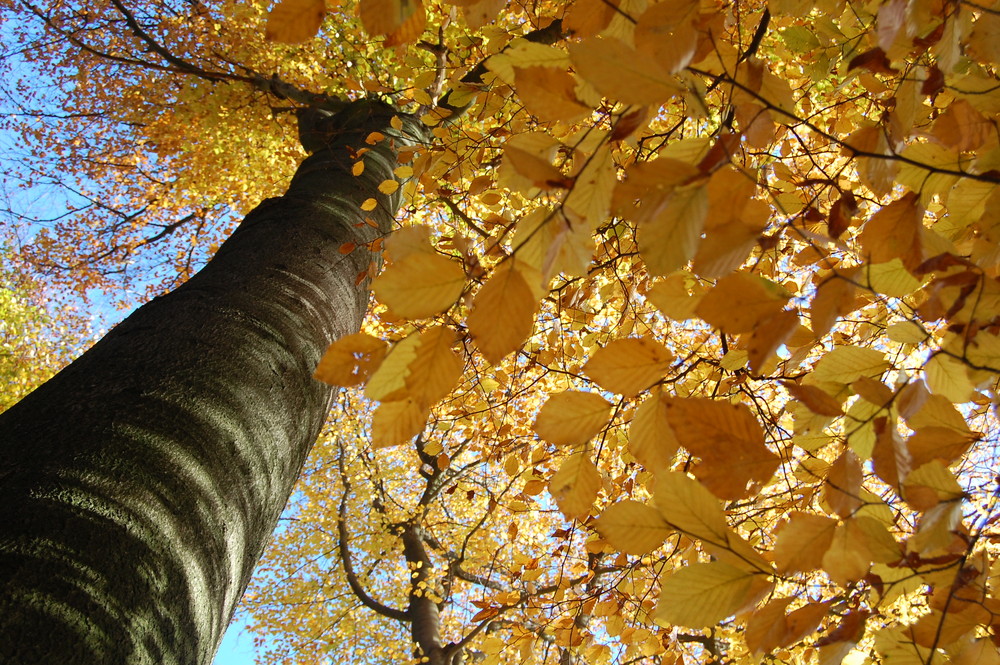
{"x": 586, "y": 18}
{"x": 666, "y": 32}
{"x": 834, "y": 298}
{"x": 571, "y": 418}
{"x": 895, "y": 232}
{"x": 435, "y": 369}
{"x": 802, "y": 542}
{"x": 388, "y": 382}
{"x": 670, "y": 239}
{"x": 650, "y": 438}
{"x": 632, "y": 527}
{"x": 402, "y": 21}
{"x": 350, "y": 360}
{"x": 672, "y": 297}
{"x": 548, "y": 94}
{"x": 619, "y": 72}
{"x": 729, "y": 441}
{"x": 842, "y": 489}
{"x": 769, "y": 334}
{"x": 294, "y": 21}
{"x": 690, "y": 508}
{"x": 421, "y": 285}
{"x": 394, "y": 423}
{"x": 816, "y": 400}
{"x": 629, "y": 366}
{"x": 703, "y": 594}
{"x": 502, "y": 313}
{"x": 575, "y": 485}
{"x": 740, "y": 302}
{"x": 848, "y": 559}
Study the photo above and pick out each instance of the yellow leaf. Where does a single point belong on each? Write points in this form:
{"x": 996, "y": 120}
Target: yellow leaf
{"x": 816, "y": 400}
{"x": 409, "y": 240}
{"x": 435, "y": 369}
{"x": 665, "y": 31}
{"x": 842, "y": 489}
{"x": 369, "y": 204}
{"x": 650, "y": 438}
{"x": 949, "y": 377}
{"x": 388, "y": 382}
{"x": 770, "y": 334}
{"x": 846, "y": 364}
{"x": 740, "y": 302}
{"x": 294, "y": 21}
{"x": 423, "y": 284}
{"x": 401, "y": 20}
{"x": 690, "y": 508}
{"x": 388, "y": 187}
{"x": 619, "y": 72}
{"x": 548, "y": 242}
{"x": 670, "y": 239}
{"x": 536, "y": 169}
{"x": 585, "y": 18}
{"x": 629, "y": 366}
{"x": 350, "y": 360}
{"x": 502, "y": 313}
{"x": 397, "y": 422}
{"x": 802, "y": 541}
{"x": 358, "y": 168}
{"x": 593, "y": 188}
{"x": 834, "y": 297}
{"x": 671, "y": 296}
{"x": 523, "y": 53}
{"x": 575, "y": 485}
{"x": 571, "y": 418}
{"x": 548, "y": 93}
{"x": 729, "y": 441}
{"x": 769, "y": 628}
{"x": 847, "y": 560}
{"x": 703, "y": 594}
{"x": 895, "y": 232}
{"x": 633, "y": 527}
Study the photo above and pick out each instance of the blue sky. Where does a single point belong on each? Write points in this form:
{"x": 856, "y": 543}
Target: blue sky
{"x": 237, "y": 646}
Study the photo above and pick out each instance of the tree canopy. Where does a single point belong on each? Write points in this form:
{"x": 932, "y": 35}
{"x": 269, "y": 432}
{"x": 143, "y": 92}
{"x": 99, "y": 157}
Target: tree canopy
{"x": 688, "y": 340}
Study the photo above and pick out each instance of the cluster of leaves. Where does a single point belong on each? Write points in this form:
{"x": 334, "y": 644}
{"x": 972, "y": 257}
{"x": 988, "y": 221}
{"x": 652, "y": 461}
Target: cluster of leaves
{"x": 741, "y": 267}
{"x": 687, "y": 346}
{"x": 34, "y": 341}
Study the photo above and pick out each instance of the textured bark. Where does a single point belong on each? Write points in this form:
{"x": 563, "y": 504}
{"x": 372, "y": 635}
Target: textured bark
{"x": 140, "y": 485}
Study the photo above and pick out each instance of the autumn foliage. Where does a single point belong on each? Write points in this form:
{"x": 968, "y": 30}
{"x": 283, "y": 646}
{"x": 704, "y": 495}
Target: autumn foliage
{"x": 686, "y": 347}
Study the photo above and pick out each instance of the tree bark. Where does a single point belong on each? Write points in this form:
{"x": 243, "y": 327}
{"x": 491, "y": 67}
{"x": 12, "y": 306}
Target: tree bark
{"x": 139, "y": 487}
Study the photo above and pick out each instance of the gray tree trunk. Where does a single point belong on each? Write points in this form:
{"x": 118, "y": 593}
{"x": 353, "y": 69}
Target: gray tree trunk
{"x": 140, "y": 485}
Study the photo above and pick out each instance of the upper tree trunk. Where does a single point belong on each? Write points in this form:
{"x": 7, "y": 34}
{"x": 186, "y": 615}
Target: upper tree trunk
{"x": 140, "y": 485}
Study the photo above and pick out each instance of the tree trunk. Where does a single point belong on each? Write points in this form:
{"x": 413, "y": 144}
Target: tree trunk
{"x": 140, "y": 485}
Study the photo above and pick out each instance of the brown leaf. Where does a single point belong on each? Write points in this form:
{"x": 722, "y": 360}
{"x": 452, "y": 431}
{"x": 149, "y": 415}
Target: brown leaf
{"x": 815, "y": 399}
{"x": 874, "y": 61}
{"x": 729, "y": 441}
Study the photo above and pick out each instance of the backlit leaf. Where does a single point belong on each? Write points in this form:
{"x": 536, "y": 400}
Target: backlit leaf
{"x": 729, "y": 441}
{"x": 703, "y": 594}
{"x": 619, "y": 72}
{"x": 628, "y": 366}
{"x": 294, "y": 21}
{"x": 421, "y": 285}
{"x": 575, "y": 485}
{"x": 670, "y": 239}
{"x": 350, "y": 360}
{"x": 633, "y": 527}
{"x": 502, "y": 313}
{"x": 572, "y": 418}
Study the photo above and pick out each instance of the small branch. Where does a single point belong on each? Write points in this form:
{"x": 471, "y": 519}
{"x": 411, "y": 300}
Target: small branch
{"x": 345, "y": 555}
